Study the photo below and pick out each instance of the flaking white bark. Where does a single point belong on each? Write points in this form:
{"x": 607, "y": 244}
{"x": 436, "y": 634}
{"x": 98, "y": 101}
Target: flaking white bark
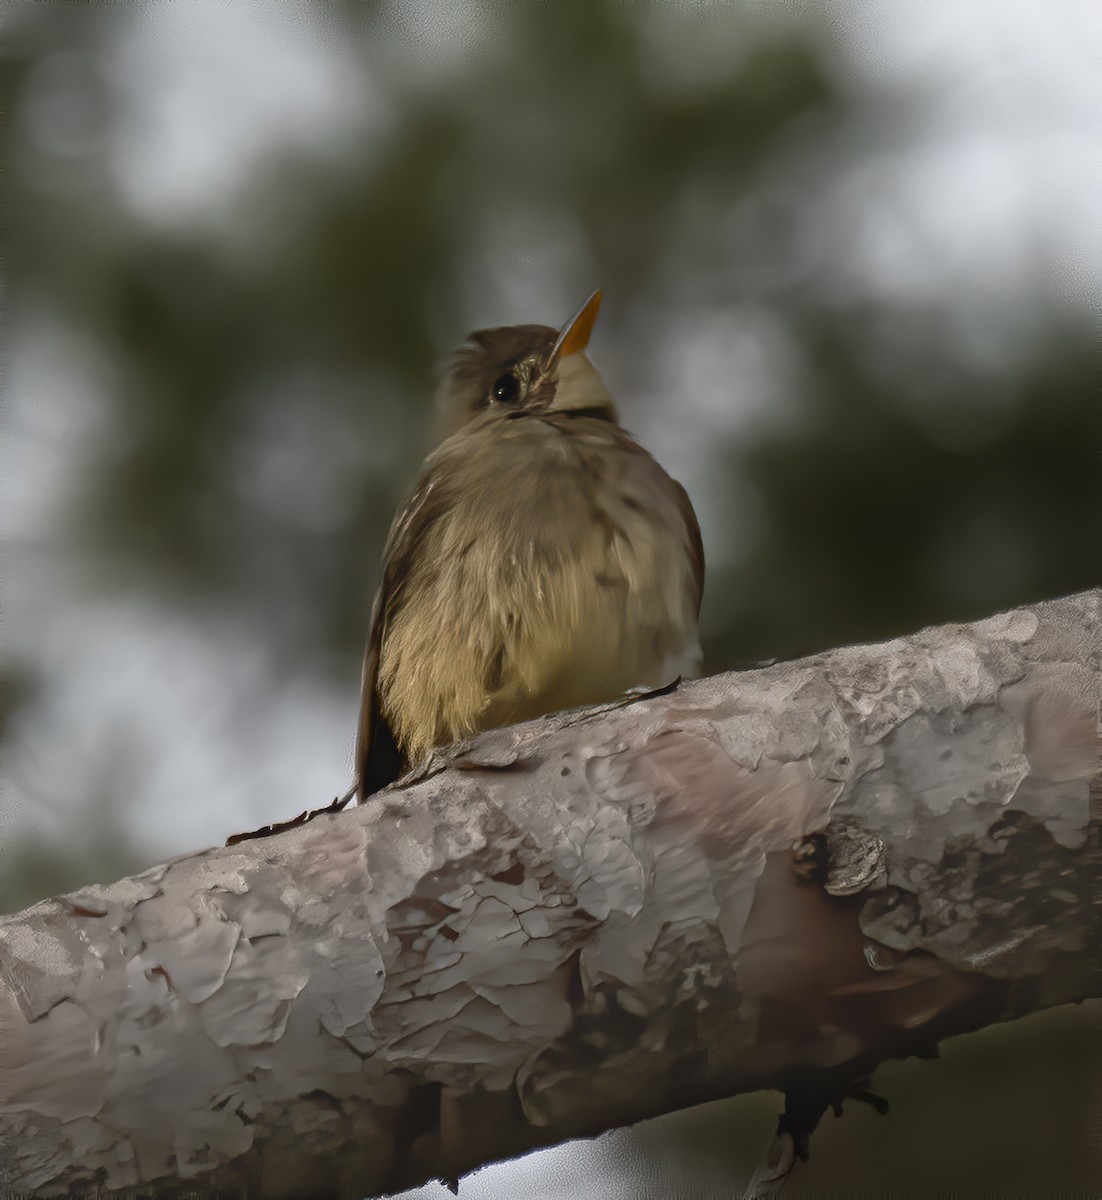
{"x": 576, "y": 923}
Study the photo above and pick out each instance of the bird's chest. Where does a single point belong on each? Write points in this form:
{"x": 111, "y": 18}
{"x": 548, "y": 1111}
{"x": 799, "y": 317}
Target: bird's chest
{"x": 576, "y": 579}
{"x": 560, "y": 521}
{"x": 551, "y": 572}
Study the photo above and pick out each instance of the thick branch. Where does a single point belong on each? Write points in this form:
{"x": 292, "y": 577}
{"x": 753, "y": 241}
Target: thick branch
{"x": 577, "y": 923}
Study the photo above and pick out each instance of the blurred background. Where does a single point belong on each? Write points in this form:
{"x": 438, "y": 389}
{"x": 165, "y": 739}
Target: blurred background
{"x": 852, "y": 262}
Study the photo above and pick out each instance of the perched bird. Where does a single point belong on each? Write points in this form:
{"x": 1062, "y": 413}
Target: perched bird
{"x": 544, "y": 561}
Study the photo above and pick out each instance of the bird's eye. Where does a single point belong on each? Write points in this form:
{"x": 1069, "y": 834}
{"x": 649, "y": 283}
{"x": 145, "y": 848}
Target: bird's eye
{"x": 506, "y": 389}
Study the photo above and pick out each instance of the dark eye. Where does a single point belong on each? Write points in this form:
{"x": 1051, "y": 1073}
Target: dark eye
{"x": 506, "y": 389}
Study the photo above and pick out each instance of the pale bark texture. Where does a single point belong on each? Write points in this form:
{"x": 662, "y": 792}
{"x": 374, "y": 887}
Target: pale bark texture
{"x": 576, "y": 923}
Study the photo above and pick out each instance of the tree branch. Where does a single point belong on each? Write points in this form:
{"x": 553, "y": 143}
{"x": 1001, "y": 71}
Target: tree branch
{"x": 770, "y": 879}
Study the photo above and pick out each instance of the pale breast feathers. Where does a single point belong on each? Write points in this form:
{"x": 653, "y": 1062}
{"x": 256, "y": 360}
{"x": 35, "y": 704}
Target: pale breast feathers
{"x": 491, "y": 613}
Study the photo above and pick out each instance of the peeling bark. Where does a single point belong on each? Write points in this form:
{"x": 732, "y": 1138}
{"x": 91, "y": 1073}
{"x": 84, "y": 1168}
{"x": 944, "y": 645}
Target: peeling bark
{"x": 771, "y": 879}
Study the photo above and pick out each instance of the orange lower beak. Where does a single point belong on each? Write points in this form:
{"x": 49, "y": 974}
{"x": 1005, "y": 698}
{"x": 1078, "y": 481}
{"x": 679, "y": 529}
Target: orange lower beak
{"x": 574, "y": 335}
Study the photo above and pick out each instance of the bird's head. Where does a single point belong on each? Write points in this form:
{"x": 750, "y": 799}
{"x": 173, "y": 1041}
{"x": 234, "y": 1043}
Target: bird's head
{"x": 522, "y": 369}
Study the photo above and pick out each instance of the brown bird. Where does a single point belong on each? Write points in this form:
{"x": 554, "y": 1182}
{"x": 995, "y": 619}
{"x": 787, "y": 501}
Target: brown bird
{"x": 544, "y": 561}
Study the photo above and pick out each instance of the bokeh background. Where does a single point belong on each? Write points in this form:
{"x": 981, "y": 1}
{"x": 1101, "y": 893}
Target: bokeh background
{"x": 852, "y": 261}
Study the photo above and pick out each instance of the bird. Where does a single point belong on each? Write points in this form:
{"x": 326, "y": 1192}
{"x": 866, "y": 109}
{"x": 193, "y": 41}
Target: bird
{"x": 544, "y": 560}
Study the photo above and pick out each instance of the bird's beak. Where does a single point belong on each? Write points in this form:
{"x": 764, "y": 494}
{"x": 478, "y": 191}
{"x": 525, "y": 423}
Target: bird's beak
{"x": 574, "y": 335}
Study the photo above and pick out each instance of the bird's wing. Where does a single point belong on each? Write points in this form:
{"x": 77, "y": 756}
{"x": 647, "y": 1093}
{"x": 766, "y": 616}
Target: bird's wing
{"x": 379, "y": 758}
{"x": 696, "y": 543}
